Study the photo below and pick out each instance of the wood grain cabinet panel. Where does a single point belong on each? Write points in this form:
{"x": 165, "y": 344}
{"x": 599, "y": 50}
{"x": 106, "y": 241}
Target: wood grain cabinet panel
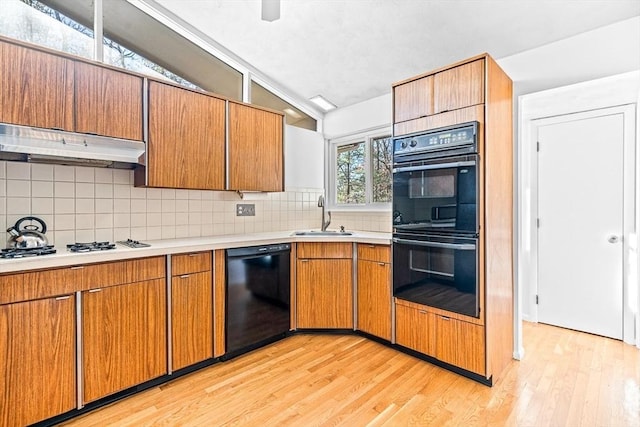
{"x": 190, "y": 263}
{"x": 460, "y": 343}
{"x": 415, "y": 329}
{"x": 459, "y": 87}
{"x": 40, "y": 284}
{"x": 324, "y": 293}
{"x": 108, "y": 102}
{"x": 413, "y": 99}
{"x": 36, "y": 88}
{"x": 186, "y": 147}
{"x": 374, "y": 298}
{"x": 255, "y": 149}
{"x": 379, "y": 253}
{"x": 325, "y": 250}
{"x": 191, "y": 319}
{"x": 37, "y": 349}
{"x": 124, "y": 337}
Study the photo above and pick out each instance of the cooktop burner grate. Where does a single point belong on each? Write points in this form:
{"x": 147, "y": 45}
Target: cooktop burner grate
{"x": 90, "y": 247}
{"x": 11, "y": 253}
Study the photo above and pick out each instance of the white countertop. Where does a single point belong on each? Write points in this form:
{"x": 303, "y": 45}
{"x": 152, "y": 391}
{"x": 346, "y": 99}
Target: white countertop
{"x": 172, "y": 246}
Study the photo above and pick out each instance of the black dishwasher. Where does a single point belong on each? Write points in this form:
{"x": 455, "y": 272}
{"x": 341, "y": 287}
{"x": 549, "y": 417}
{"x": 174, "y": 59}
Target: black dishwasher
{"x": 257, "y": 297}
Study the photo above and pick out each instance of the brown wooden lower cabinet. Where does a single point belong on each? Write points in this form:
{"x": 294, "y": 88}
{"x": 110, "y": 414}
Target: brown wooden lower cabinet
{"x": 413, "y": 329}
{"x": 124, "y": 337}
{"x": 191, "y": 319}
{"x": 460, "y": 343}
{"x": 324, "y": 293}
{"x": 374, "y": 298}
{"x": 37, "y": 360}
{"x": 453, "y": 341}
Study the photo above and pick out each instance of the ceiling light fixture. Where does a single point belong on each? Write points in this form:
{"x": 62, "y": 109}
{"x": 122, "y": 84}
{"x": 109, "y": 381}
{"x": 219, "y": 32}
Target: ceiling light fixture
{"x": 293, "y": 113}
{"x": 270, "y": 10}
{"x": 321, "y": 102}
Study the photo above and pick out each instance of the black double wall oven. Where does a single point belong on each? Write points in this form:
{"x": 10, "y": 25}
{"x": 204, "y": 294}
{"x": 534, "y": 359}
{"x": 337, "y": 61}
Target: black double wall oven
{"x": 435, "y": 218}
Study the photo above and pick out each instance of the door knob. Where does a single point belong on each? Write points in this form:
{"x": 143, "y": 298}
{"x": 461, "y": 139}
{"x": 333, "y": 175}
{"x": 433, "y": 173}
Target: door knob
{"x": 613, "y": 239}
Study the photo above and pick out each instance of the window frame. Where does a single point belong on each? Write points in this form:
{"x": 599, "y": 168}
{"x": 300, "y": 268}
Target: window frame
{"x": 331, "y": 170}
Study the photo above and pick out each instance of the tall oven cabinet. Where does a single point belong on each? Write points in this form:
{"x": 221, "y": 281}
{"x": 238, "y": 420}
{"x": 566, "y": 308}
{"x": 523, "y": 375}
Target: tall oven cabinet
{"x": 476, "y": 91}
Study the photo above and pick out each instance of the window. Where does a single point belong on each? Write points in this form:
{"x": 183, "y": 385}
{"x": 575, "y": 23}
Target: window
{"x": 360, "y": 171}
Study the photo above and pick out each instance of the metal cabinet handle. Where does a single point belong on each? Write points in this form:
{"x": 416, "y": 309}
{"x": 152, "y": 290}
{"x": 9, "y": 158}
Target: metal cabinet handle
{"x": 63, "y": 298}
{"x": 184, "y": 276}
{"x": 194, "y": 254}
{"x": 422, "y": 312}
{"x": 382, "y": 264}
{"x": 614, "y": 239}
{"x": 445, "y": 318}
{"x": 458, "y": 246}
{"x": 95, "y": 290}
{"x": 77, "y": 267}
{"x": 303, "y": 260}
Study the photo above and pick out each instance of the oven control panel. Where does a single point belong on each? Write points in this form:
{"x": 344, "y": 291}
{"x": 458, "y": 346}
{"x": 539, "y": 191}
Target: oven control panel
{"x": 438, "y": 139}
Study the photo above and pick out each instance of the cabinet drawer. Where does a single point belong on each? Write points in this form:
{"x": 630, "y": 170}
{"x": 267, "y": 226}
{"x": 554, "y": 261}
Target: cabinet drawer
{"x": 120, "y": 272}
{"x": 325, "y": 250}
{"x": 379, "y": 253}
{"x": 415, "y": 329}
{"x": 190, "y": 263}
{"x": 40, "y": 284}
{"x": 460, "y": 343}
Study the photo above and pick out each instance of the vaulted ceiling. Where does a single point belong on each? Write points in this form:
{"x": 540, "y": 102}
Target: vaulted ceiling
{"x": 352, "y": 50}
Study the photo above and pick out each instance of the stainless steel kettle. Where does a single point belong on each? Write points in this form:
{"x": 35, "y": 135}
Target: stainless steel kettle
{"x": 30, "y": 236}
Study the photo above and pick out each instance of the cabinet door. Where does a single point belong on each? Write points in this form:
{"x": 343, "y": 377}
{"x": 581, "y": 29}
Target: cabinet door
{"x": 414, "y": 329}
{"x": 413, "y": 99}
{"x": 36, "y": 88}
{"x": 255, "y": 149}
{"x": 186, "y": 147}
{"x": 108, "y": 102}
{"x": 124, "y": 337}
{"x": 37, "y": 373}
{"x": 459, "y": 87}
{"x": 324, "y": 293}
{"x": 191, "y": 319}
{"x": 374, "y": 298}
{"x": 460, "y": 343}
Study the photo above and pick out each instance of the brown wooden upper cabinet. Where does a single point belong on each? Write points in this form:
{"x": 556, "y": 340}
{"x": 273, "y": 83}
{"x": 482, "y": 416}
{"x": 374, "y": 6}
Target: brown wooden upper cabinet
{"x": 186, "y": 146}
{"x": 459, "y": 87}
{"x": 451, "y": 89}
{"x": 413, "y": 99}
{"x": 255, "y": 149}
{"x": 43, "y": 90}
{"x": 36, "y": 88}
{"x": 108, "y": 102}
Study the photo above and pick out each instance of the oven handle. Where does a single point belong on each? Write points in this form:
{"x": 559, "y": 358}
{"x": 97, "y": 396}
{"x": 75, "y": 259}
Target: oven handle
{"x": 435, "y": 166}
{"x": 458, "y": 246}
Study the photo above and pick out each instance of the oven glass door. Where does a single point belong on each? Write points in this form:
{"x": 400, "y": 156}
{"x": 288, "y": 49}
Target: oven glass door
{"x": 436, "y": 195}
{"x": 437, "y": 271}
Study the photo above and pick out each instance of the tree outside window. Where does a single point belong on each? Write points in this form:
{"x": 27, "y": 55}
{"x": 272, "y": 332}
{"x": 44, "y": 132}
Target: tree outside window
{"x": 363, "y": 171}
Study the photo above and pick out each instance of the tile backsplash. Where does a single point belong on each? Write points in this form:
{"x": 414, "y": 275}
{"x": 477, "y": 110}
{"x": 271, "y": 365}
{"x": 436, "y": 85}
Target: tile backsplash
{"x": 84, "y": 204}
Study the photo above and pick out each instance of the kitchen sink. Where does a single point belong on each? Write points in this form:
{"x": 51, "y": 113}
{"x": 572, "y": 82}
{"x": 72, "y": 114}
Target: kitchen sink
{"x": 322, "y": 233}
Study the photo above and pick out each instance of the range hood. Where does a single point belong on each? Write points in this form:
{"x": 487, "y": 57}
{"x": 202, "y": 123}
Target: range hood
{"x": 54, "y": 146}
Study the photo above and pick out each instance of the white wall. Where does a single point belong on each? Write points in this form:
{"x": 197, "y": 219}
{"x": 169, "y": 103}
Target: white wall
{"x": 606, "y": 51}
{"x": 370, "y": 114}
{"x": 304, "y": 158}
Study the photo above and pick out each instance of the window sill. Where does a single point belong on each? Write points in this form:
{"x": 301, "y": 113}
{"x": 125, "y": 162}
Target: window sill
{"x": 360, "y": 209}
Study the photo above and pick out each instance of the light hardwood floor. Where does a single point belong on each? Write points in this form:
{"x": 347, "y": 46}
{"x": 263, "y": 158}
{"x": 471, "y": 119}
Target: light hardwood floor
{"x": 566, "y": 378}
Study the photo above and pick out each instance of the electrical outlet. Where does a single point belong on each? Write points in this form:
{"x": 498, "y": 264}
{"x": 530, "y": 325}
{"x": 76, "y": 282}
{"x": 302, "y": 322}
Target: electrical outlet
{"x": 245, "y": 209}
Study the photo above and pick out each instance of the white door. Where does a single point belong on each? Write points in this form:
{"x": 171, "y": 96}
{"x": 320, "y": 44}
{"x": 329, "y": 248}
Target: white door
{"x": 580, "y": 212}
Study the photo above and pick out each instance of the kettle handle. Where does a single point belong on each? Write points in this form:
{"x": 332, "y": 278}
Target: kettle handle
{"x": 31, "y": 218}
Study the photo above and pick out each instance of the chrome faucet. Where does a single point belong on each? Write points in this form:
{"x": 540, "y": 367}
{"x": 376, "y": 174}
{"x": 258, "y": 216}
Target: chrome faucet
{"x": 321, "y": 205}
